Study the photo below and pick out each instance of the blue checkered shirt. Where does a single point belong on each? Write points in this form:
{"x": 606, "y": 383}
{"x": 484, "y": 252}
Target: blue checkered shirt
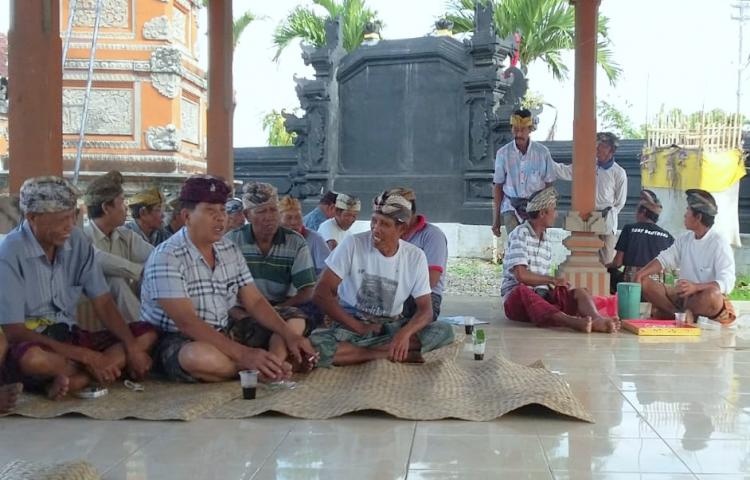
{"x": 34, "y": 287}
{"x": 177, "y": 269}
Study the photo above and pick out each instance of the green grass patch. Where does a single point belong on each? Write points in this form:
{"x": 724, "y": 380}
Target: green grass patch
{"x": 741, "y": 288}
{"x": 471, "y": 267}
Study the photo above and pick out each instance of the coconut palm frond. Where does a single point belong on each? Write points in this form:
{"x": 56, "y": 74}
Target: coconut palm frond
{"x": 302, "y": 23}
{"x": 239, "y": 25}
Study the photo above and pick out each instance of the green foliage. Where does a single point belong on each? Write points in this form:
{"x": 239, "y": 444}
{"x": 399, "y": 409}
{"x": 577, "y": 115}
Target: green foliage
{"x": 741, "y": 288}
{"x": 616, "y": 121}
{"x": 273, "y": 124}
{"x": 303, "y": 23}
{"x": 547, "y": 29}
{"x": 240, "y": 24}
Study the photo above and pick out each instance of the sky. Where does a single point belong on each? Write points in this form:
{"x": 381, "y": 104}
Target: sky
{"x": 674, "y": 53}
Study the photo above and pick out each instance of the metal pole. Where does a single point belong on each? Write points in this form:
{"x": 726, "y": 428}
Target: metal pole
{"x": 742, "y": 6}
{"x": 89, "y": 81}
{"x": 69, "y": 30}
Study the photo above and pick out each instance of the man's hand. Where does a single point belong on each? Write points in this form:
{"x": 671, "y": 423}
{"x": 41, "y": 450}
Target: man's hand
{"x": 266, "y": 363}
{"x": 399, "y": 349}
{"x": 139, "y": 363}
{"x": 367, "y": 328}
{"x": 496, "y": 227}
{"x": 301, "y": 349}
{"x": 686, "y": 288}
{"x": 100, "y": 367}
{"x": 560, "y": 282}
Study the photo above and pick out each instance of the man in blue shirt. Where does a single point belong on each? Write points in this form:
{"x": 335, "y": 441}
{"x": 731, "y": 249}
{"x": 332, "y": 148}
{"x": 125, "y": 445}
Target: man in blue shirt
{"x": 46, "y": 265}
{"x": 325, "y": 210}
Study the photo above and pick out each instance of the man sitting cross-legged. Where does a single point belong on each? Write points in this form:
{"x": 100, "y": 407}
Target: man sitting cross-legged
{"x": 529, "y": 293}
{"x": 120, "y": 251}
{"x": 278, "y": 258}
{"x": 706, "y": 264}
{"x": 46, "y": 265}
{"x": 8, "y": 392}
{"x": 190, "y": 283}
{"x": 363, "y": 289}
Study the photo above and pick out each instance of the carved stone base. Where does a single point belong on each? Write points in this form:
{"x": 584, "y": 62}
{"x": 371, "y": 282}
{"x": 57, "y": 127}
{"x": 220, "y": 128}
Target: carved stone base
{"x": 583, "y": 268}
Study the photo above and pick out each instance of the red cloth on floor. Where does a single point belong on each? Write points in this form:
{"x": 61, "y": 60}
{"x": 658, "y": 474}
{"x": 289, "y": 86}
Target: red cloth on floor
{"x": 524, "y": 305}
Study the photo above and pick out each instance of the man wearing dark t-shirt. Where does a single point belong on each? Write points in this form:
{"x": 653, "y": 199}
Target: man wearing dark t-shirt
{"x": 639, "y": 242}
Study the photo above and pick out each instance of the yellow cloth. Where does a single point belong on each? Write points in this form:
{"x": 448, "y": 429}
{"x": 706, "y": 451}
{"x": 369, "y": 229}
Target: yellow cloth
{"x": 149, "y": 198}
{"x": 519, "y": 121}
{"x": 37, "y": 323}
{"x": 711, "y": 171}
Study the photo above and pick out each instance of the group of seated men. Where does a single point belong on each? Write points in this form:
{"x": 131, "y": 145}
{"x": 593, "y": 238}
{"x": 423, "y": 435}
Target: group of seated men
{"x": 200, "y": 303}
{"x": 703, "y": 258}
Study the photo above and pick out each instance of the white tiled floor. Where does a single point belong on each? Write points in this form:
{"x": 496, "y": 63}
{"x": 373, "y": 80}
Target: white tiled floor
{"x": 667, "y": 410}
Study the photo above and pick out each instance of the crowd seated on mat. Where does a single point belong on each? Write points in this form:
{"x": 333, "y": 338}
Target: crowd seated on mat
{"x": 363, "y": 289}
{"x": 190, "y": 283}
{"x": 278, "y": 258}
{"x": 639, "y": 242}
{"x": 529, "y": 293}
{"x": 46, "y": 264}
{"x": 706, "y": 264}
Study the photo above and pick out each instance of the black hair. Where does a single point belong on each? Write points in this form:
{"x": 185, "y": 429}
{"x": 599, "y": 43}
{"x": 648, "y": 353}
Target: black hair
{"x": 523, "y": 112}
{"x": 534, "y": 215}
{"x": 187, "y": 205}
{"x": 648, "y": 214}
{"x": 706, "y": 220}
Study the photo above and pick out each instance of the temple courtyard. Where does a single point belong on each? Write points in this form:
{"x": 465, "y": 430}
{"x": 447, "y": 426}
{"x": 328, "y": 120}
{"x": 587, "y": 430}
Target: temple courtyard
{"x": 665, "y": 408}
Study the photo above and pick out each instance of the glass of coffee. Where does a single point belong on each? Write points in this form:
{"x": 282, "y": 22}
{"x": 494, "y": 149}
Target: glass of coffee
{"x": 249, "y": 382}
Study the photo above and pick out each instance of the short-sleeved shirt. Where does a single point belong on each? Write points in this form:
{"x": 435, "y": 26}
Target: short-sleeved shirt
{"x": 330, "y": 230}
{"x": 522, "y": 175}
{"x": 177, "y": 269}
{"x": 431, "y": 240}
{"x": 704, "y": 260}
{"x": 318, "y": 249}
{"x": 156, "y": 238}
{"x": 288, "y": 263}
{"x": 314, "y": 218}
{"x": 642, "y": 242}
{"x": 527, "y": 249}
{"x": 121, "y": 254}
{"x": 374, "y": 284}
{"x": 35, "y": 288}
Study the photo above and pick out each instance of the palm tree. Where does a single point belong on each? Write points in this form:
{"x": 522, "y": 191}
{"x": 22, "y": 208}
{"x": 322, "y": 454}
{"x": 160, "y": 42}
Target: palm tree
{"x": 547, "y": 28}
{"x": 239, "y": 25}
{"x": 303, "y": 23}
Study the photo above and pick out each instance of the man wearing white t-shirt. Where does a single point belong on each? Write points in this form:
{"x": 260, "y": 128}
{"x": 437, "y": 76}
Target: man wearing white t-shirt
{"x": 363, "y": 289}
{"x": 335, "y": 229}
{"x": 706, "y": 264}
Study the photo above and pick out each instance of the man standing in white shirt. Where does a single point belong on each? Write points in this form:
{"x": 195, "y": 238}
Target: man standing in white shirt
{"x": 121, "y": 252}
{"x": 335, "y": 229}
{"x": 522, "y": 168}
{"x": 611, "y": 190}
{"x": 706, "y": 264}
{"x": 363, "y": 289}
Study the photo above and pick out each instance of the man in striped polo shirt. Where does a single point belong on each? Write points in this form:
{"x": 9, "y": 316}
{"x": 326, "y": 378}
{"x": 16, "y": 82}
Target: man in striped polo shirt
{"x": 278, "y": 258}
{"x": 529, "y": 293}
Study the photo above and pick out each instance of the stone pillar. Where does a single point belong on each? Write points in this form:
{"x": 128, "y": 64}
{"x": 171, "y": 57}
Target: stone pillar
{"x": 220, "y": 159}
{"x": 582, "y": 268}
{"x": 35, "y": 90}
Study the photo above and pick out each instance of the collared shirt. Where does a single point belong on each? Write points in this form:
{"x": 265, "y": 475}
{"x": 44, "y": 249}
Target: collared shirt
{"x": 525, "y": 248}
{"x": 156, "y": 238}
{"x": 522, "y": 175}
{"x": 314, "y": 218}
{"x": 318, "y": 249}
{"x": 431, "y": 240}
{"x": 287, "y": 264}
{"x": 704, "y": 260}
{"x": 121, "y": 254}
{"x": 611, "y": 189}
{"x": 177, "y": 269}
{"x": 330, "y": 230}
{"x": 35, "y": 288}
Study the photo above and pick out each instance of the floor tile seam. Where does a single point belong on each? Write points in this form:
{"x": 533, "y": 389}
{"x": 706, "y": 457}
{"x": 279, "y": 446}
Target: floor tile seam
{"x": 411, "y": 450}
{"x": 664, "y": 440}
{"x": 270, "y": 454}
{"x": 127, "y": 457}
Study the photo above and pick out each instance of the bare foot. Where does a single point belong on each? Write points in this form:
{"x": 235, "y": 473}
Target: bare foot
{"x": 9, "y": 396}
{"x": 58, "y": 388}
{"x": 606, "y": 324}
{"x": 582, "y": 324}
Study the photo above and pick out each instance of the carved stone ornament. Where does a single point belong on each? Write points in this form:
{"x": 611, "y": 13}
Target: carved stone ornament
{"x": 179, "y": 26}
{"x": 166, "y": 65}
{"x": 114, "y": 13}
{"x": 157, "y": 28}
{"x": 166, "y": 138}
{"x": 479, "y": 133}
{"x": 595, "y": 223}
{"x": 168, "y": 84}
{"x": 190, "y": 121}
{"x": 110, "y": 111}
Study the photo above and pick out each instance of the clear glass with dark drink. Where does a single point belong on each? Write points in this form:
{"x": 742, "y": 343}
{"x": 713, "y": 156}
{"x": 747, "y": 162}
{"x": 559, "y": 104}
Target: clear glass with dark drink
{"x": 249, "y": 382}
